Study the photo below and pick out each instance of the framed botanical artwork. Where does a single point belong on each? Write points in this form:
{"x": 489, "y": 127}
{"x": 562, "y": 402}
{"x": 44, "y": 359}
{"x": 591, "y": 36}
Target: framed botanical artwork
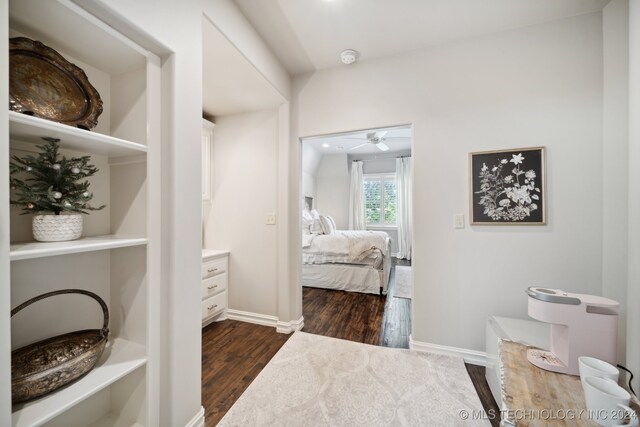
{"x": 508, "y": 187}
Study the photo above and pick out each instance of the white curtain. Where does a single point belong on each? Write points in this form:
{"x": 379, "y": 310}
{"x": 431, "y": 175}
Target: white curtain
{"x": 403, "y": 192}
{"x": 356, "y": 197}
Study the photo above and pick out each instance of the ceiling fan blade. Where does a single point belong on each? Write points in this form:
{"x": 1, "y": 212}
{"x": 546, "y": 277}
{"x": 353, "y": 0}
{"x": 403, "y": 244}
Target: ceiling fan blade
{"x": 361, "y": 145}
{"x": 398, "y": 138}
{"x": 382, "y": 134}
{"x": 355, "y": 137}
{"x": 382, "y": 146}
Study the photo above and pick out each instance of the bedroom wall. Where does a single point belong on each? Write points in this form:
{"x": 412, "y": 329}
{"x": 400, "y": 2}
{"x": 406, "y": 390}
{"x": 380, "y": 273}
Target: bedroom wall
{"x": 615, "y": 25}
{"x": 310, "y": 162}
{"x": 243, "y": 189}
{"x": 539, "y": 85}
{"x": 375, "y": 165}
{"x": 332, "y": 183}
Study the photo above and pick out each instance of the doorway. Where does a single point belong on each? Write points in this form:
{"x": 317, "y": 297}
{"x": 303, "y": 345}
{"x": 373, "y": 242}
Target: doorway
{"x": 356, "y": 193}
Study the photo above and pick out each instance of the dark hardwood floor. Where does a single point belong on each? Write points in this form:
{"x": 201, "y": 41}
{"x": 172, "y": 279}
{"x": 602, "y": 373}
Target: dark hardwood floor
{"x": 234, "y": 353}
{"x": 366, "y": 318}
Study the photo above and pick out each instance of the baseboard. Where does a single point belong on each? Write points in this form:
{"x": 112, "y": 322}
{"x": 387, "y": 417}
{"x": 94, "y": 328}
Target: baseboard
{"x": 266, "y": 320}
{"x": 288, "y": 327}
{"x": 473, "y": 357}
{"x": 198, "y": 420}
{"x": 258, "y": 319}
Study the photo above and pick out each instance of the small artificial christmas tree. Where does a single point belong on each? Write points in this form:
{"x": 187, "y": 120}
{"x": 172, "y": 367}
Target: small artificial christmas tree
{"x": 54, "y": 184}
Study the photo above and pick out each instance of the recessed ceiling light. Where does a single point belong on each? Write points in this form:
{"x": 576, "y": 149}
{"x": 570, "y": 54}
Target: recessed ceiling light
{"x": 325, "y": 145}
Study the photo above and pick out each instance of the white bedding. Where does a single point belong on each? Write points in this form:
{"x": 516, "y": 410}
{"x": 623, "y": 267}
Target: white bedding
{"x": 343, "y": 277}
{"x": 347, "y": 260}
{"x": 374, "y": 260}
{"x": 355, "y": 244}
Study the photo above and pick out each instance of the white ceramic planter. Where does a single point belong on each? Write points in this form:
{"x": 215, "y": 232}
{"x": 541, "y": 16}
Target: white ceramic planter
{"x": 57, "y": 228}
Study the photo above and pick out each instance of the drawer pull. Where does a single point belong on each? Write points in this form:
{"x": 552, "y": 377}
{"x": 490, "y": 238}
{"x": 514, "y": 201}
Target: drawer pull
{"x": 212, "y": 287}
{"x": 212, "y": 270}
{"x": 211, "y": 307}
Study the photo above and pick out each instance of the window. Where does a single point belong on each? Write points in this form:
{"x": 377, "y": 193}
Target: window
{"x": 380, "y": 199}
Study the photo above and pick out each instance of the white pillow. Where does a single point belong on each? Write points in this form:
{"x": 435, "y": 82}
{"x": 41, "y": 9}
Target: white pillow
{"x": 327, "y": 223}
{"x": 332, "y": 222}
{"x": 314, "y": 214}
{"x": 307, "y": 221}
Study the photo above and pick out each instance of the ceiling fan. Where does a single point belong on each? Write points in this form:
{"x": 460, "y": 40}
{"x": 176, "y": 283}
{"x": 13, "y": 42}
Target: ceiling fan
{"x": 375, "y": 138}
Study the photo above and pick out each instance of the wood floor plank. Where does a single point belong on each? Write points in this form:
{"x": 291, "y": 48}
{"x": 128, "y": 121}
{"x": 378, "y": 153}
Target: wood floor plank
{"x": 491, "y": 409}
{"x": 233, "y": 354}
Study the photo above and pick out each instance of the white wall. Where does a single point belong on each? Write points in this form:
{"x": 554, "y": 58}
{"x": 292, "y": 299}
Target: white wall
{"x": 615, "y": 28}
{"x": 243, "y": 190}
{"x": 633, "y": 294}
{"x": 310, "y": 163}
{"x": 332, "y": 186}
{"x": 332, "y": 182}
{"x": 176, "y": 26}
{"x": 540, "y": 85}
{"x": 376, "y": 164}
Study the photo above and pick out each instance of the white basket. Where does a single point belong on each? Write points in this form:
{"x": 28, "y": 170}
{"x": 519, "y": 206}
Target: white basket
{"x": 57, "y": 228}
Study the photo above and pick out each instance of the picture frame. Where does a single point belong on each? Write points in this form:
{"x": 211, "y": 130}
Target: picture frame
{"x": 508, "y": 187}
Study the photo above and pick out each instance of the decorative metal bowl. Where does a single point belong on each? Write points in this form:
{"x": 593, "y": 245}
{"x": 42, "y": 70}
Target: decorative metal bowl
{"x": 44, "y": 84}
{"x": 44, "y": 366}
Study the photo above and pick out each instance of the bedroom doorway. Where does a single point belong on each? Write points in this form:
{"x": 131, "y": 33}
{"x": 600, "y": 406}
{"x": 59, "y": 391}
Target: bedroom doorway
{"x": 356, "y": 195}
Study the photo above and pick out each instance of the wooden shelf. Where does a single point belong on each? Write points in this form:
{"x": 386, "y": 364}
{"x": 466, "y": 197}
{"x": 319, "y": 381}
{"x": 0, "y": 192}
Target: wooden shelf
{"x": 120, "y": 358}
{"x": 30, "y": 250}
{"x": 32, "y": 129}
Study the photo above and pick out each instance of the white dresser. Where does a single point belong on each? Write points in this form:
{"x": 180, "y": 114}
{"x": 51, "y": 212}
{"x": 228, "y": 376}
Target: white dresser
{"x": 215, "y": 281}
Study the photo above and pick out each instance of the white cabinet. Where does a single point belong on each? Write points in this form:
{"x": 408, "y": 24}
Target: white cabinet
{"x": 207, "y": 140}
{"x": 215, "y": 283}
{"x": 118, "y": 256}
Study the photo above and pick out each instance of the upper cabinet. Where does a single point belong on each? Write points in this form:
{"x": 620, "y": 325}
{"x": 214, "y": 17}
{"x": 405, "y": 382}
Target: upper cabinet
{"x": 118, "y": 255}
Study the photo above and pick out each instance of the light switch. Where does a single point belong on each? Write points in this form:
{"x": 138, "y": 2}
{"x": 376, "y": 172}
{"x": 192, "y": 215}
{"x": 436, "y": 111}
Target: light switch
{"x": 458, "y": 221}
{"x": 270, "y": 219}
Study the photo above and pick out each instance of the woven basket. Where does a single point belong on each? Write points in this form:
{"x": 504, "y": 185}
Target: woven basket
{"x": 47, "y": 365}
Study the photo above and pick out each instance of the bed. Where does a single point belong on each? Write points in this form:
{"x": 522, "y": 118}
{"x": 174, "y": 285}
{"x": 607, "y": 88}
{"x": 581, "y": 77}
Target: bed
{"x": 347, "y": 260}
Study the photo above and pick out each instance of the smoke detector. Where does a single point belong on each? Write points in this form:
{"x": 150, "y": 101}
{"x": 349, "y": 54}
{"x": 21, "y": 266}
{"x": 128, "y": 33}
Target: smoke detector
{"x": 349, "y": 56}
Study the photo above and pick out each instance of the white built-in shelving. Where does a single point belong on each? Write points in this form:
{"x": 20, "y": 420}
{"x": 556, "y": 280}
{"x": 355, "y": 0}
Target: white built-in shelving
{"x": 119, "y": 359}
{"x": 118, "y": 256}
{"x": 30, "y": 250}
{"x": 32, "y": 129}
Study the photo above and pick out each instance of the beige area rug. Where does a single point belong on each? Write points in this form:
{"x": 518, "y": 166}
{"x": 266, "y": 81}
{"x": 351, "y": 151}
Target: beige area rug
{"x": 402, "y": 285}
{"x": 321, "y": 381}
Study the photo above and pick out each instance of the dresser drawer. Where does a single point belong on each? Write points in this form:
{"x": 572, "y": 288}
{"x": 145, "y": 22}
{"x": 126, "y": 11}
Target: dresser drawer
{"x": 214, "y": 284}
{"x": 214, "y": 305}
{"x": 217, "y": 266}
